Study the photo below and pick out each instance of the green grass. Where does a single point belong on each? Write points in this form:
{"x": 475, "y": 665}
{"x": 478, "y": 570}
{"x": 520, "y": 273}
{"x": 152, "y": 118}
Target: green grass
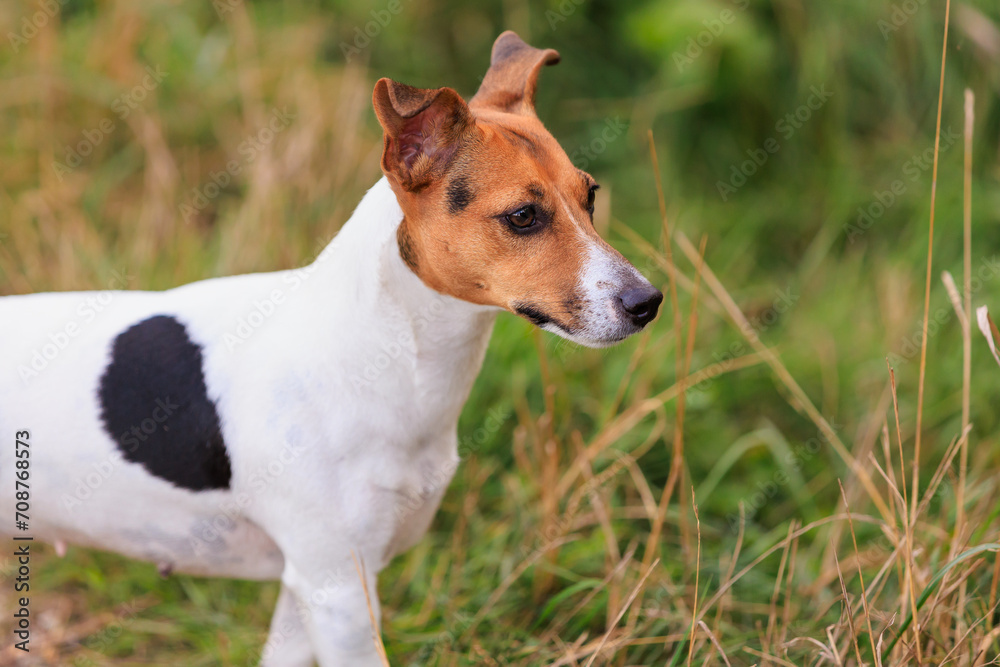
{"x": 481, "y": 588}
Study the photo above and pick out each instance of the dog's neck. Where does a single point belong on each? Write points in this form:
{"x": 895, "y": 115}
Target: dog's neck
{"x": 441, "y": 338}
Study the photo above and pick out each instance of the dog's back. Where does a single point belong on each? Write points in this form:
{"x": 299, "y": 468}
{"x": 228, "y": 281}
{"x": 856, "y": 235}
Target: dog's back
{"x": 87, "y": 422}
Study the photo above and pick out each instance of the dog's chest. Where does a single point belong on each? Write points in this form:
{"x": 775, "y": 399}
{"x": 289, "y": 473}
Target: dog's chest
{"x": 414, "y": 500}
{"x": 412, "y": 453}
{"x": 409, "y": 472}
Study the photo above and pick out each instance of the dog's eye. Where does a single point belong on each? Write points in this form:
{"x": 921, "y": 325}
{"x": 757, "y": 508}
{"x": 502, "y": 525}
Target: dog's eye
{"x": 521, "y": 218}
{"x": 591, "y": 196}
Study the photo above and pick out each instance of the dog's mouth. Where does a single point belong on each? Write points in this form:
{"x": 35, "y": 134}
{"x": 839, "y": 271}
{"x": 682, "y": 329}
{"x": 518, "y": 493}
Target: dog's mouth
{"x": 602, "y": 325}
{"x": 535, "y": 315}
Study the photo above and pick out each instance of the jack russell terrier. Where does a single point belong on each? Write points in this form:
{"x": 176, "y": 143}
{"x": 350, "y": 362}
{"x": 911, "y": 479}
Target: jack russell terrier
{"x": 325, "y": 429}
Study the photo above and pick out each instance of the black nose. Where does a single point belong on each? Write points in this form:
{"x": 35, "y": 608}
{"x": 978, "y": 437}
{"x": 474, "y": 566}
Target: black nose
{"x": 641, "y": 303}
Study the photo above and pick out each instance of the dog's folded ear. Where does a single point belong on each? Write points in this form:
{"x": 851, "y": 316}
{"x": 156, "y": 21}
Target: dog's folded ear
{"x": 422, "y": 130}
{"x": 510, "y": 82}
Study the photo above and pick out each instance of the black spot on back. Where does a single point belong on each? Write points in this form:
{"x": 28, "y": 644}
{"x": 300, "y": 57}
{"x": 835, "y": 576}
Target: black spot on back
{"x": 155, "y": 406}
{"x": 459, "y": 194}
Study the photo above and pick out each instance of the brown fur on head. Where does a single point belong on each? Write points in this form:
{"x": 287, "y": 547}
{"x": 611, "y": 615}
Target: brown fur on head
{"x": 468, "y": 176}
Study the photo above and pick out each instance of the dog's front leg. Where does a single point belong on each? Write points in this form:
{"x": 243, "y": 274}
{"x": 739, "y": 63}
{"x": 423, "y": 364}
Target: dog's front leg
{"x": 288, "y": 643}
{"x": 335, "y": 613}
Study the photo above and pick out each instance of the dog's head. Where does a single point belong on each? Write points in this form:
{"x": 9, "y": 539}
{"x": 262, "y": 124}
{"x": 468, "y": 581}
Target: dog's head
{"x": 495, "y": 213}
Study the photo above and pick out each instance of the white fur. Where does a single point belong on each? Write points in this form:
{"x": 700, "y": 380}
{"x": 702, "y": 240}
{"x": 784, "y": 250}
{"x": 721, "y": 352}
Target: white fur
{"x": 605, "y": 275}
{"x": 339, "y": 413}
{"x": 338, "y": 386}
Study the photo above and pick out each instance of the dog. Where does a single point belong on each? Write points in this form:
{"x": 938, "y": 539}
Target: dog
{"x": 313, "y": 442}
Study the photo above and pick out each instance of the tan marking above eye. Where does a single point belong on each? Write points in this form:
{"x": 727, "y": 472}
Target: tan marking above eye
{"x": 465, "y": 248}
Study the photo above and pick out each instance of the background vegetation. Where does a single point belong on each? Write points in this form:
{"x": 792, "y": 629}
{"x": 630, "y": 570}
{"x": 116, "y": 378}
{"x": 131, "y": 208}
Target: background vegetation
{"x": 581, "y": 466}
